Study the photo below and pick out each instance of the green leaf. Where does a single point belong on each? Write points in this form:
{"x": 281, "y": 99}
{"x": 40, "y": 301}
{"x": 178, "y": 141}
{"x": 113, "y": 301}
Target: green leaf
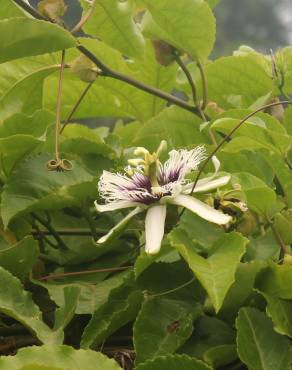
{"x": 19, "y": 258}
{"x": 173, "y": 362}
{"x": 279, "y": 310}
{"x": 17, "y": 303}
{"x": 64, "y": 314}
{"x": 110, "y": 97}
{"x": 217, "y": 272}
{"x": 263, "y": 247}
{"x": 275, "y": 281}
{"x": 209, "y": 333}
{"x": 178, "y": 127}
{"x": 283, "y": 173}
{"x": 121, "y": 307}
{"x": 20, "y": 123}
{"x": 241, "y": 290}
{"x": 20, "y": 134}
{"x": 80, "y": 139}
{"x": 235, "y": 82}
{"x": 26, "y": 95}
{"x": 221, "y": 355}
{"x": 195, "y": 34}
{"x": 40, "y": 37}
{"x": 58, "y": 358}
{"x": 113, "y": 22}
{"x": 199, "y": 231}
{"x": 15, "y": 148}
{"x": 288, "y": 119}
{"x": 283, "y": 224}
{"x": 32, "y": 187}
{"x": 10, "y": 10}
{"x": 259, "y": 347}
{"x": 162, "y": 326}
{"x": 92, "y": 296}
{"x": 212, "y": 3}
{"x": 275, "y": 285}
{"x": 260, "y": 198}
{"x": 244, "y": 137}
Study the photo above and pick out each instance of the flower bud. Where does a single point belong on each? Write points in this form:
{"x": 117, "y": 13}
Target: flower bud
{"x": 85, "y": 69}
{"x": 52, "y": 9}
{"x": 164, "y": 52}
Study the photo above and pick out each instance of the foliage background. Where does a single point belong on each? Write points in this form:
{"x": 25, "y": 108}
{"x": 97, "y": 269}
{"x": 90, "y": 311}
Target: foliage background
{"x": 214, "y": 297}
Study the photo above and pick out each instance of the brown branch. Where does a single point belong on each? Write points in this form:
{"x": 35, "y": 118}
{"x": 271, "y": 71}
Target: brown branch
{"x": 108, "y": 72}
{"x": 76, "y": 106}
{"x": 78, "y": 273}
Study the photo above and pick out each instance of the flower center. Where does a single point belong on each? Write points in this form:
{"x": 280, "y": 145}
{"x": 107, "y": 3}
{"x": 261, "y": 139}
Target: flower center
{"x": 149, "y": 165}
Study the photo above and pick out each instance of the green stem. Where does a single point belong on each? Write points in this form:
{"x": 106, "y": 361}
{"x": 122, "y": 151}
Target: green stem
{"x": 58, "y": 108}
{"x": 88, "y": 217}
{"x": 188, "y": 75}
{"x": 76, "y": 106}
{"x": 204, "y": 85}
{"x": 78, "y": 273}
{"x": 84, "y": 19}
{"x": 50, "y": 228}
{"x": 227, "y": 137}
{"x": 172, "y": 290}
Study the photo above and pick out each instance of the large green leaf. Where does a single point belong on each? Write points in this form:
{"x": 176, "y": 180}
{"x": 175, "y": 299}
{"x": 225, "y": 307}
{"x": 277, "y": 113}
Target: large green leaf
{"x": 201, "y": 232}
{"x": 17, "y": 303}
{"x": 275, "y": 281}
{"x": 19, "y": 258}
{"x": 194, "y": 33}
{"x": 10, "y": 10}
{"x": 64, "y": 314}
{"x": 209, "y": 334}
{"x": 162, "y": 326}
{"x": 173, "y": 362}
{"x": 241, "y": 290}
{"x": 121, "y": 307}
{"x": 80, "y": 139}
{"x": 20, "y": 123}
{"x": 25, "y": 95}
{"x": 252, "y": 135}
{"x": 20, "y": 134}
{"x": 57, "y": 358}
{"x": 178, "y": 127}
{"x": 221, "y": 355}
{"x": 91, "y": 297}
{"x": 259, "y": 347}
{"x": 260, "y": 198}
{"x": 217, "y": 272}
{"x": 32, "y": 187}
{"x": 112, "y": 21}
{"x": 22, "y": 37}
{"x": 235, "y": 82}
{"x": 284, "y": 175}
{"x": 279, "y": 310}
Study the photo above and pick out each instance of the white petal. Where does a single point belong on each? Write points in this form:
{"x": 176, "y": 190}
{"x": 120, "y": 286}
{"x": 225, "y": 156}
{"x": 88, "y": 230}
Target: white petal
{"x": 216, "y": 163}
{"x": 154, "y": 228}
{"x": 113, "y": 206}
{"x": 119, "y": 227}
{"x": 207, "y": 184}
{"x": 201, "y": 209}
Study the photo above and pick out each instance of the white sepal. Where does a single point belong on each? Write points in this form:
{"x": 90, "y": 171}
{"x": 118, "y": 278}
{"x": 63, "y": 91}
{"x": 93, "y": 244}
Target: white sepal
{"x": 119, "y": 227}
{"x": 154, "y": 228}
{"x": 206, "y": 184}
{"x": 201, "y": 209}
